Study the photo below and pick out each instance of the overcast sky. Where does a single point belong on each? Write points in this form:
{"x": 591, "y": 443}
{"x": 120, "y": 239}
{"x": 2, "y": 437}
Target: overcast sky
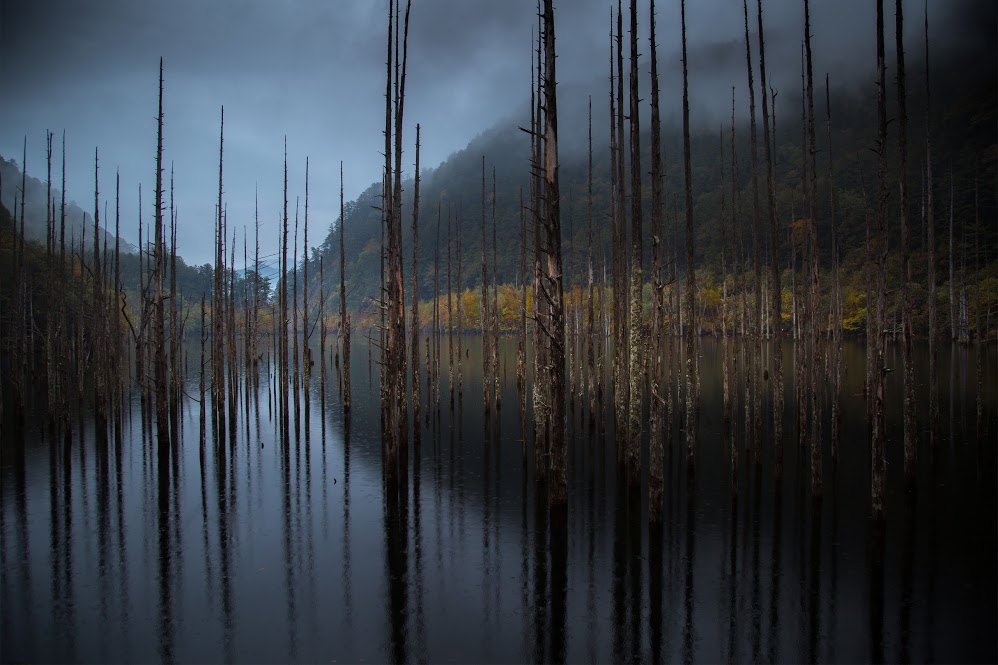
{"x": 314, "y": 71}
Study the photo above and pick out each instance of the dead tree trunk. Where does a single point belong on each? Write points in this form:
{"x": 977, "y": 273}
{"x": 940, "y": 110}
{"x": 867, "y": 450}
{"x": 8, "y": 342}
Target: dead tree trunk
{"x": 636, "y": 277}
{"x": 344, "y": 318}
{"x": 725, "y": 387}
{"x": 160, "y": 368}
{"x": 774, "y": 244}
{"x": 590, "y": 303}
{"x": 541, "y": 386}
{"x": 484, "y": 318}
{"x": 910, "y": 450}
{"x": 416, "y": 398}
{"x": 931, "y": 242}
{"x": 450, "y": 315}
{"x": 692, "y": 389}
{"x": 655, "y": 451}
{"x": 813, "y": 364}
{"x": 878, "y": 447}
{"x": 836, "y": 291}
{"x": 495, "y": 302}
{"x": 306, "y": 330}
{"x": 283, "y": 332}
{"x": 97, "y": 333}
{"x": 754, "y": 375}
{"x": 552, "y": 284}
{"x": 460, "y": 315}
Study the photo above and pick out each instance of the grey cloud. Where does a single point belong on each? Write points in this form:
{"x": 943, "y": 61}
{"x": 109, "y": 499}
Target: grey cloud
{"x": 315, "y": 72}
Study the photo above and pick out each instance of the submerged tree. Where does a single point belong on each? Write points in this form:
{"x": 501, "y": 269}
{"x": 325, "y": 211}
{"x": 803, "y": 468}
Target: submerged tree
{"x": 692, "y": 380}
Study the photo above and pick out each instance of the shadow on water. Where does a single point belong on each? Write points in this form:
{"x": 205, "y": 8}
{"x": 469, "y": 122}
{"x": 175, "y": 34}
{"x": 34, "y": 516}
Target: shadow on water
{"x": 116, "y": 548}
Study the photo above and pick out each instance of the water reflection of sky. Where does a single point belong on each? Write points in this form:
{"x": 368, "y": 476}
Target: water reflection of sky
{"x": 283, "y": 555}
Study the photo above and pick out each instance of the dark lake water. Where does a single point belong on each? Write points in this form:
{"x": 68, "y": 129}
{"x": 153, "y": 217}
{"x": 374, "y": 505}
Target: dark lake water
{"x": 274, "y": 554}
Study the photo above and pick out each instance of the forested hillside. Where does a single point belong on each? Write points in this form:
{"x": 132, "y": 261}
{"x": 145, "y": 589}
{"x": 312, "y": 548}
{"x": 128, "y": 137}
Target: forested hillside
{"x": 963, "y": 124}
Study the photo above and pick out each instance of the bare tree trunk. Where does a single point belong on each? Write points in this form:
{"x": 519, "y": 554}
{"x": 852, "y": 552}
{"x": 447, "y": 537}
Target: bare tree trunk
{"x": 655, "y": 450}
{"x": 590, "y": 304}
{"x": 201, "y": 381}
{"x": 521, "y": 347}
{"x": 621, "y": 308}
{"x": 495, "y": 302}
{"x": 836, "y": 292}
{"x": 416, "y": 397}
{"x": 725, "y": 388}
{"x": 692, "y": 389}
{"x": 541, "y": 386}
{"x": 295, "y": 366}
{"x": 774, "y": 243}
{"x": 322, "y": 337}
{"x": 460, "y": 316}
{"x": 306, "y": 331}
{"x": 636, "y": 277}
{"x": 450, "y": 317}
{"x": 754, "y": 375}
{"x": 344, "y": 318}
{"x": 394, "y": 366}
{"x": 552, "y": 283}
{"x": 878, "y": 448}
{"x": 977, "y": 309}
{"x": 952, "y": 263}
{"x": 434, "y": 370}
{"x": 910, "y": 448}
{"x": 931, "y": 242}
{"x": 813, "y": 364}
{"x": 175, "y": 337}
{"x": 484, "y": 309}
{"x": 160, "y": 368}
{"x": 282, "y": 351}
{"x": 97, "y": 334}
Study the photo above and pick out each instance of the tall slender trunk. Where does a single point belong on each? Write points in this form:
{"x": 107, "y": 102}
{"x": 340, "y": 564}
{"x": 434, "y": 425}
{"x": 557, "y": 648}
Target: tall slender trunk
{"x": 416, "y": 397}
{"x": 460, "y": 314}
{"x": 952, "y": 264}
{"x": 295, "y": 362}
{"x": 175, "y": 336}
{"x": 484, "y": 319}
{"x": 692, "y": 389}
{"x": 774, "y": 245}
{"x": 878, "y": 447}
{"x": 160, "y": 368}
{"x": 306, "y": 331}
{"x": 930, "y": 212}
{"x": 655, "y": 451}
{"x": 754, "y": 375}
{"x": 541, "y": 391}
{"x": 552, "y": 283}
{"x": 621, "y": 289}
{"x": 344, "y": 318}
{"x": 836, "y": 290}
{"x": 282, "y": 351}
{"x": 910, "y": 435}
{"x": 813, "y": 276}
{"x": 615, "y": 253}
{"x": 97, "y": 334}
{"x": 201, "y": 379}
{"x": 725, "y": 387}
{"x": 590, "y": 302}
{"x": 450, "y": 316}
{"x": 636, "y": 277}
{"x": 495, "y": 301}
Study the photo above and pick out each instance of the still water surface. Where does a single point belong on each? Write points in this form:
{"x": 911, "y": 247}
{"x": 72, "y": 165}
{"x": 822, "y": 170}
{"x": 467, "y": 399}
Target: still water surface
{"x": 274, "y": 554}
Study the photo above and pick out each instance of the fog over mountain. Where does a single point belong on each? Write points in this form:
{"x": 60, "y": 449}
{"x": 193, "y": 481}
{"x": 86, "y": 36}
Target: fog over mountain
{"x": 314, "y": 71}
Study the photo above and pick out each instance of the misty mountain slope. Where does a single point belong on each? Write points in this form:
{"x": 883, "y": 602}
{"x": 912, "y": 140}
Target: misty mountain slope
{"x": 964, "y": 135}
{"x": 35, "y": 209}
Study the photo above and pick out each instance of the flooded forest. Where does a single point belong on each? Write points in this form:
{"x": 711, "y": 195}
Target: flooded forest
{"x": 578, "y": 412}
